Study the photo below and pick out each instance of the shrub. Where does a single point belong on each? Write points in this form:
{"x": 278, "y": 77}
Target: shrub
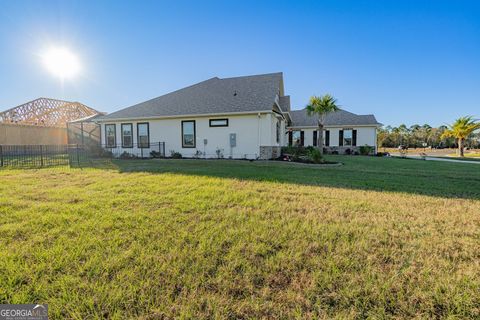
{"x": 383, "y": 154}
{"x": 126, "y": 155}
{"x": 315, "y": 156}
{"x": 198, "y": 154}
{"x": 175, "y": 155}
{"x": 155, "y": 154}
{"x": 296, "y": 151}
{"x": 219, "y": 153}
{"x": 287, "y": 150}
{"x": 309, "y": 149}
{"x": 104, "y": 154}
{"x": 366, "y": 150}
{"x": 348, "y": 151}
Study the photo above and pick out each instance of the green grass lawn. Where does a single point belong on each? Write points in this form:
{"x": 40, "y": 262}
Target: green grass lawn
{"x": 155, "y": 239}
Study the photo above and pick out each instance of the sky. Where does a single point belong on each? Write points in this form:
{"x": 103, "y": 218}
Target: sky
{"x": 405, "y": 61}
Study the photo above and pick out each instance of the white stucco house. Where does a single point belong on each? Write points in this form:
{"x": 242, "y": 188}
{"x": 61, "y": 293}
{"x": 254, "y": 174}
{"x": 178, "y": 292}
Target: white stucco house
{"x": 241, "y": 117}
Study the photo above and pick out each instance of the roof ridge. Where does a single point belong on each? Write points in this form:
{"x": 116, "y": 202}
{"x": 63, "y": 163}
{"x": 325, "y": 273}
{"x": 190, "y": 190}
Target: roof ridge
{"x": 254, "y": 75}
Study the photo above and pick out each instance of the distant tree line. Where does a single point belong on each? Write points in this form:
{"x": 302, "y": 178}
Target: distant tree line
{"x": 418, "y": 136}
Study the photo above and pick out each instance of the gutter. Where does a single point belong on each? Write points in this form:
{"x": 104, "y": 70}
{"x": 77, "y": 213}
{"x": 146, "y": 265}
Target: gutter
{"x": 185, "y": 116}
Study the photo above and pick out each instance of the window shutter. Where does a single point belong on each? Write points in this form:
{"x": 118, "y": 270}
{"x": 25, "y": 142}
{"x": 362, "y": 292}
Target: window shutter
{"x": 340, "y": 138}
{"x": 290, "y": 138}
{"x": 315, "y": 138}
{"x": 354, "y": 138}
{"x": 327, "y": 138}
{"x": 302, "y": 138}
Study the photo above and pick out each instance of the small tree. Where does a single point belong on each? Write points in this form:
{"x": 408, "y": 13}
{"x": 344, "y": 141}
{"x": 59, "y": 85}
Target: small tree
{"x": 460, "y": 130}
{"x": 321, "y": 106}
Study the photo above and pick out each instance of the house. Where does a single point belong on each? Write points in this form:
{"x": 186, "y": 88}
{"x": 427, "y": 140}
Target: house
{"x": 242, "y": 117}
{"x": 343, "y": 131}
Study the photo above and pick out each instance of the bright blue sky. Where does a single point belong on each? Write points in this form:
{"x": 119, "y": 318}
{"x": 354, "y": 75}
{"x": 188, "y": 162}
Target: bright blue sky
{"x": 406, "y": 61}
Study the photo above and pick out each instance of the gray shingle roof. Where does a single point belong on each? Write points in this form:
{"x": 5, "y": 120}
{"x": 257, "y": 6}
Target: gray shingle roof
{"x": 215, "y": 95}
{"x": 284, "y": 103}
{"x": 300, "y": 118}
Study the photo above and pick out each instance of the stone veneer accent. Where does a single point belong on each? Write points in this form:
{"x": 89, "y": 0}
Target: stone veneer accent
{"x": 267, "y": 152}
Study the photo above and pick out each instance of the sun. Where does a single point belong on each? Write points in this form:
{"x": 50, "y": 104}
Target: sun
{"x": 61, "y": 62}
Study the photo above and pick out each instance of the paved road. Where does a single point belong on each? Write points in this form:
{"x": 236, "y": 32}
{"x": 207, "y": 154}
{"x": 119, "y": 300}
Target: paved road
{"x": 441, "y": 159}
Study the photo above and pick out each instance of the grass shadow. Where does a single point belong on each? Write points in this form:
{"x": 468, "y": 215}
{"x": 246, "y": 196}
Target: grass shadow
{"x": 430, "y": 178}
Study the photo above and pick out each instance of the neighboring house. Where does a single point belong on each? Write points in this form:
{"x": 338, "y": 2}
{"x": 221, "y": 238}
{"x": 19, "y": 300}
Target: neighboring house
{"x": 242, "y": 117}
{"x": 343, "y": 130}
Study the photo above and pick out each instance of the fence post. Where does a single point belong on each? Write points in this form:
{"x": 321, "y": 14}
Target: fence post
{"x": 81, "y": 126}
{"x": 1, "y": 156}
{"x": 41, "y": 156}
{"x": 78, "y": 157}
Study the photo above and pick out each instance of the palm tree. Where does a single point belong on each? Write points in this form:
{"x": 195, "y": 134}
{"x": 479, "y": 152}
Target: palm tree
{"x": 321, "y": 106}
{"x": 460, "y": 130}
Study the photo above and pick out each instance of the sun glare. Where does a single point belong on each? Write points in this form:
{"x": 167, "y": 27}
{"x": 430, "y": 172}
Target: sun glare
{"x": 61, "y": 62}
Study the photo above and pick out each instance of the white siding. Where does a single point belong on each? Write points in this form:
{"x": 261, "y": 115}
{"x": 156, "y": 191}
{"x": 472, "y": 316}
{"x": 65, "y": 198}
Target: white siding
{"x": 252, "y": 132}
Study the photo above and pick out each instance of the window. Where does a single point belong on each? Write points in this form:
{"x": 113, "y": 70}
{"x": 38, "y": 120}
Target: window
{"x": 188, "y": 134}
{"x": 218, "y": 122}
{"x": 296, "y": 137}
{"x": 143, "y": 135}
{"x": 127, "y": 135}
{"x": 347, "y": 137}
{"x": 110, "y": 136}
{"x": 278, "y": 131}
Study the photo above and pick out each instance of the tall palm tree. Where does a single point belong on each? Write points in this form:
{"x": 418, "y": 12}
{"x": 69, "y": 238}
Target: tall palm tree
{"x": 321, "y": 106}
{"x": 460, "y": 130}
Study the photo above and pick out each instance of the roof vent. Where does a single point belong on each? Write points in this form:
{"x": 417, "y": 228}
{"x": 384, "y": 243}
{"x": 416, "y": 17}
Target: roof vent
{"x": 235, "y": 93}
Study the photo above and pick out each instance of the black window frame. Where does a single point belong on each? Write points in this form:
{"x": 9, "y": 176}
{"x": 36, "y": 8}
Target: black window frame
{"x": 114, "y": 135}
{"x": 194, "y": 134}
{"x": 139, "y": 144}
{"x": 216, "y": 126}
{"x": 121, "y": 134}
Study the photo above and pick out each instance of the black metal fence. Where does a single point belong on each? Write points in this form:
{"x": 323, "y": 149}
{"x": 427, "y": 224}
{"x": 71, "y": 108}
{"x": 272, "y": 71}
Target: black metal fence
{"x": 73, "y": 155}
{"x": 33, "y": 155}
